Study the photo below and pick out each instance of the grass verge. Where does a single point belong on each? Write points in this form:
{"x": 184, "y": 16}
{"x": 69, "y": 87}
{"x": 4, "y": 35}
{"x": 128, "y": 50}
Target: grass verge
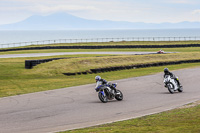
{"x": 99, "y": 44}
{"x": 191, "y": 49}
{"x": 184, "y": 120}
{"x": 118, "y": 43}
{"x": 87, "y": 63}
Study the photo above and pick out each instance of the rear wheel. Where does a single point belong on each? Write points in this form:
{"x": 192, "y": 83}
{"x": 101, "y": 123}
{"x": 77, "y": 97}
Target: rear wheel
{"x": 119, "y": 95}
{"x": 103, "y": 98}
{"x": 170, "y": 88}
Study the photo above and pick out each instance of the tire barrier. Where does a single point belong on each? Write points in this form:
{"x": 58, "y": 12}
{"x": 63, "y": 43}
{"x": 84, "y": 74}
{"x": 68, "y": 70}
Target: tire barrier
{"x": 103, "y": 47}
{"x": 118, "y": 68}
{"x": 30, "y": 63}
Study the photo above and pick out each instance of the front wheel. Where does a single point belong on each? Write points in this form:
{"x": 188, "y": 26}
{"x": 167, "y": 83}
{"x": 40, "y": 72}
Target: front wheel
{"x": 170, "y": 87}
{"x": 119, "y": 95}
{"x": 180, "y": 89}
{"x": 103, "y": 97}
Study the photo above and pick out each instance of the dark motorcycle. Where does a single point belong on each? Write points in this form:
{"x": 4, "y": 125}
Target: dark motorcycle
{"x": 105, "y": 93}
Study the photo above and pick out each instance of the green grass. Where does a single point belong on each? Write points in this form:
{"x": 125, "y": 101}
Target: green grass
{"x": 125, "y": 43}
{"x": 188, "y": 49}
{"x": 119, "y": 43}
{"x": 99, "y": 44}
{"x": 85, "y": 64}
{"x": 185, "y": 120}
{"x": 15, "y": 79}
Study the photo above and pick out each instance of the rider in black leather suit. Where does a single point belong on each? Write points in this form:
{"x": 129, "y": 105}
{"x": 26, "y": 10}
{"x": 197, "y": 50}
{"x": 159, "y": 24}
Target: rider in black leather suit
{"x": 167, "y": 72}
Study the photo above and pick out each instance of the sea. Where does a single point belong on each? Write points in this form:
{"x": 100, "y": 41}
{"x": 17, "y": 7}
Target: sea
{"x": 24, "y": 37}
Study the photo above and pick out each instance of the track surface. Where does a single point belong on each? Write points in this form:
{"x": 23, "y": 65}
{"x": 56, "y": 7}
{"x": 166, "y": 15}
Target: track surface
{"x": 71, "y": 53}
{"x": 77, "y": 107}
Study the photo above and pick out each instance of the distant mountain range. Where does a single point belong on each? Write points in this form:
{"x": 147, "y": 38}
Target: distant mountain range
{"x": 64, "y": 21}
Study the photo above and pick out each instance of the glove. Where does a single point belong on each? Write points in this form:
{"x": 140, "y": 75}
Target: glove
{"x": 96, "y": 89}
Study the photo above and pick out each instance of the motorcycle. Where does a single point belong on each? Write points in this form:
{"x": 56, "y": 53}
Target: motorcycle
{"x": 172, "y": 84}
{"x": 105, "y": 93}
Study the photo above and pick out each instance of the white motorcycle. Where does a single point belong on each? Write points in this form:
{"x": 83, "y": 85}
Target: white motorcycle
{"x": 172, "y": 84}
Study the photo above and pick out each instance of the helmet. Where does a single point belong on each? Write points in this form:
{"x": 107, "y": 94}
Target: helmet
{"x": 97, "y": 78}
{"x": 166, "y": 70}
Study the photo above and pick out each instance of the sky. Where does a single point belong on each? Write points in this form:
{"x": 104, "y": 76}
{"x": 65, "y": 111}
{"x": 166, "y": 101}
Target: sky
{"x": 148, "y": 11}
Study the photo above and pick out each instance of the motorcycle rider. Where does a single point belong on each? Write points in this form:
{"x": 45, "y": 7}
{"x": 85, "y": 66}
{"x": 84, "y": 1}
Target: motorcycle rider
{"x": 101, "y": 81}
{"x": 167, "y": 72}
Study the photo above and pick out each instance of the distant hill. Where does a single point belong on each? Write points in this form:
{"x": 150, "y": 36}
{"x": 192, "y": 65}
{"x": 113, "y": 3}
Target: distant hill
{"x": 64, "y": 21}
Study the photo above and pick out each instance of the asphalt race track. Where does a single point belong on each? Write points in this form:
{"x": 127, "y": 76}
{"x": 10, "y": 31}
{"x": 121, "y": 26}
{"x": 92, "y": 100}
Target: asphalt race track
{"x": 71, "y": 53}
{"x": 77, "y": 107}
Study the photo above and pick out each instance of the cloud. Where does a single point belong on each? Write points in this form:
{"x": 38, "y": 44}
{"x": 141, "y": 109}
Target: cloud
{"x": 118, "y": 10}
{"x": 181, "y": 1}
{"x": 196, "y": 11}
{"x": 59, "y": 8}
{"x": 50, "y": 6}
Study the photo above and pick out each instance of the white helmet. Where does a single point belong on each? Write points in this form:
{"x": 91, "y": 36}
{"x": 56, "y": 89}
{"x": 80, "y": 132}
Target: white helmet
{"x": 97, "y": 78}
